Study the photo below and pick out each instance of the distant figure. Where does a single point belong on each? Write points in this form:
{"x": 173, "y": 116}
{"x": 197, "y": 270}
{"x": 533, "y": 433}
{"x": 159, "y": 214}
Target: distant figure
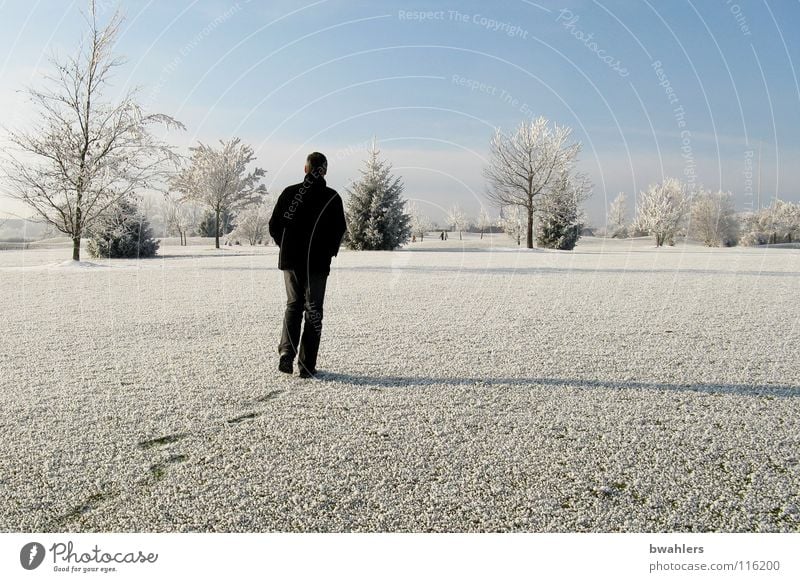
{"x": 413, "y": 238}
{"x": 308, "y": 225}
{"x": 441, "y": 236}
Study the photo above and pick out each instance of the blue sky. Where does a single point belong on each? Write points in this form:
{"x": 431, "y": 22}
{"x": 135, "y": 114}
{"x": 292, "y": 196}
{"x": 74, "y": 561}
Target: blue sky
{"x": 433, "y": 79}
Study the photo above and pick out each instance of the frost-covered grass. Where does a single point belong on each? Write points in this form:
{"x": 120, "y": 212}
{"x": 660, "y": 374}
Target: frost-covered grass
{"x": 468, "y": 386}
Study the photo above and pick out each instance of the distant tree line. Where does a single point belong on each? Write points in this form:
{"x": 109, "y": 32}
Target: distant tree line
{"x": 83, "y": 167}
{"x": 670, "y": 209}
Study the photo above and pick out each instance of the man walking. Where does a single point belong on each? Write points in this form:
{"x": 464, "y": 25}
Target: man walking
{"x": 308, "y": 225}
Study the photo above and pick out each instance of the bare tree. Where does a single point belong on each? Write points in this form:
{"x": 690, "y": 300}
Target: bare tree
{"x": 85, "y": 154}
{"x": 253, "y": 223}
{"x": 513, "y": 222}
{"x": 617, "y": 217}
{"x": 420, "y": 223}
{"x": 180, "y": 215}
{"x": 662, "y": 209}
{"x": 484, "y": 221}
{"x": 218, "y": 178}
{"x": 457, "y": 218}
{"x": 714, "y": 218}
{"x": 524, "y": 165}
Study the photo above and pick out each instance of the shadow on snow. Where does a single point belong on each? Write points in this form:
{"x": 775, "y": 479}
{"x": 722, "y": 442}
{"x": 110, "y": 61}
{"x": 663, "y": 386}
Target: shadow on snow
{"x": 773, "y": 390}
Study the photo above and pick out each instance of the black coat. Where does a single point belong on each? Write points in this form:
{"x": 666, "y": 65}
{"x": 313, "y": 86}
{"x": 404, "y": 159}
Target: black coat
{"x": 308, "y": 225}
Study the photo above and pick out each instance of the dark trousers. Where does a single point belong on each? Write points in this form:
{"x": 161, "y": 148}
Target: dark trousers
{"x": 305, "y": 294}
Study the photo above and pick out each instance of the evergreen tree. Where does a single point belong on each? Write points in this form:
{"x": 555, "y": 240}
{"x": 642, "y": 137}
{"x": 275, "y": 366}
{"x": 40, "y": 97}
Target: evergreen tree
{"x": 560, "y": 218}
{"x": 123, "y": 232}
{"x": 376, "y": 216}
{"x": 206, "y": 228}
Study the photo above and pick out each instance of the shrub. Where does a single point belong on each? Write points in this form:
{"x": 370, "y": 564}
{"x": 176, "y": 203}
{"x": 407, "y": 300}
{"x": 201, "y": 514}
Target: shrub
{"x": 123, "y": 232}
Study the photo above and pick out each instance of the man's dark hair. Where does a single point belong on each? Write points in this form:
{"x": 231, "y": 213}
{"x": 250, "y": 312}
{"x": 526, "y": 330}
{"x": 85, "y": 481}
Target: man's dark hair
{"x": 317, "y": 161}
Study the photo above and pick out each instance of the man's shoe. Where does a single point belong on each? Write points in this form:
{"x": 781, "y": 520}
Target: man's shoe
{"x": 306, "y": 373}
{"x": 286, "y": 364}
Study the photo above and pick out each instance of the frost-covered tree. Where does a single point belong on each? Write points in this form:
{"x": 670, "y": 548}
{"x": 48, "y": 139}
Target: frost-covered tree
{"x": 513, "y": 221}
{"x": 713, "y": 218}
{"x": 524, "y": 165}
{"x": 484, "y": 221}
{"x": 662, "y": 209}
{"x": 86, "y": 153}
{"x": 752, "y": 232}
{"x": 181, "y": 216}
{"x": 457, "y": 220}
{"x": 218, "y": 178}
{"x": 787, "y": 219}
{"x": 419, "y": 221}
{"x": 210, "y": 227}
{"x": 376, "y": 217}
{"x": 146, "y": 205}
{"x": 617, "y": 217}
{"x": 778, "y": 223}
{"x": 253, "y": 223}
{"x": 559, "y": 212}
{"x": 123, "y": 232}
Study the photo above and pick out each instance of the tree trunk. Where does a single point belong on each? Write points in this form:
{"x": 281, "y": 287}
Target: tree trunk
{"x": 78, "y": 226}
{"x": 216, "y": 229}
{"x": 530, "y": 228}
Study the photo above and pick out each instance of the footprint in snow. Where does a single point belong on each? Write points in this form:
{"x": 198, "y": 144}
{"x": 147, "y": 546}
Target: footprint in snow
{"x": 269, "y": 396}
{"x": 243, "y": 417}
{"x": 161, "y": 441}
{"x": 158, "y": 470}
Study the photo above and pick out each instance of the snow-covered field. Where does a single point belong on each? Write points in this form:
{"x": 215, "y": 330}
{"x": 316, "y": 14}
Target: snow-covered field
{"x": 468, "y": 386}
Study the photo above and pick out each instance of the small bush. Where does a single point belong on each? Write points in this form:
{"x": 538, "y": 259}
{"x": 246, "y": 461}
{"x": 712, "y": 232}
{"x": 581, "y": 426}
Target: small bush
{"x": 122, "y": 234}
{"x": 556, "y": 233}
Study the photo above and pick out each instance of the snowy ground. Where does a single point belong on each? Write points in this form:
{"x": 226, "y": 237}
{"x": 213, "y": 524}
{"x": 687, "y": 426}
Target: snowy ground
{"x": 468, "y": 386}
